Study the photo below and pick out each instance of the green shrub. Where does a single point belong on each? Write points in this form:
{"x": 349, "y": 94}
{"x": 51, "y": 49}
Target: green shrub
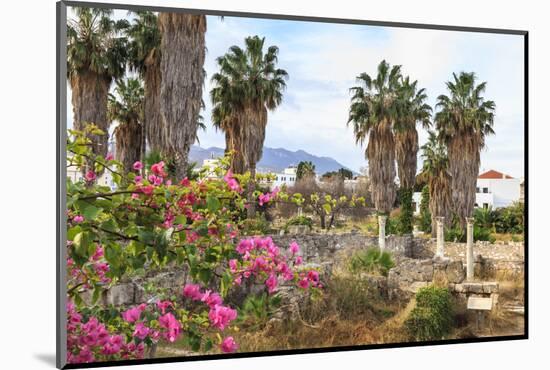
{"x": 371, "y": 261}
{"x": 257, "y": 309}
{"x": 425, "y": 219}
{"x": 483, "y": 234}
{"x": 509, "y": 219}
{"x": 431, "y": 319}
{"x": 299, "y": 220}
{"x": 406, "y": 216}
{"x": 256, "y": 226}
{"x": 455, "y": 233}
{"x": 392, "y": 225}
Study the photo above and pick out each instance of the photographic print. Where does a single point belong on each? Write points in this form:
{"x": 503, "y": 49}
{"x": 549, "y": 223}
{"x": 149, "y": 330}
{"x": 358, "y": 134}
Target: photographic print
{"x": 239, "y": 184}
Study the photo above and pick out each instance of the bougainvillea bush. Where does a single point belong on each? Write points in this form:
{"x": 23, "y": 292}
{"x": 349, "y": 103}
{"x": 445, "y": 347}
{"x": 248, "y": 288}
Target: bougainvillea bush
{"x": 152, "y": 221}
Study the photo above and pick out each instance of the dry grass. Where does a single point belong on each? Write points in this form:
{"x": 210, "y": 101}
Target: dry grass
{"x": 350, "y": 313}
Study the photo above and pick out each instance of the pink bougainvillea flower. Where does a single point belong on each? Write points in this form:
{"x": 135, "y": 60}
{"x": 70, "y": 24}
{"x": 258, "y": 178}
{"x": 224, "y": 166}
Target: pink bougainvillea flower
{"x": 137, "y": 166}
{"x": 172, "y": 326}
{"x": 158, "y": 169}
{"x": 238, "y": 280}
{"x": 141, "y": 331}
{"x": 303, "y": 283}
{"x": 228, "y": 345}
{"x": 185, "y": 182}
{"x": 220, "y": 316}
{"x": 233, "y": 265}
{"x": 192, "y": 291}
{"x": 147, "y": 190}
{"x": 263, "y": 199}
{"x": 271, "y": 283}
{"x": 294, "y": 247}
{"x": 191, "y": 236}
{"x": 164, "y": 305}
{"x": 90, "y": 176}
{"x": 211, "y": 299}
{"x": 138, "y": 179}
{"x": 132, "y": 315}
{"x": 231, "y": 182}
{"x": 313, "y": 276}
{"x": 299, "y": 260}
{"x": 109, "y": 157}
{"x": 78, "y": 219}
{"x": 98, "y": 254}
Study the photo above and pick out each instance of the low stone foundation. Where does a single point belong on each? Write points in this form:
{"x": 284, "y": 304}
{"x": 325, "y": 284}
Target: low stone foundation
{"x": 415, "y": 266}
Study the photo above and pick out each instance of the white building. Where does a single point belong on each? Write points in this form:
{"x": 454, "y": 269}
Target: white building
{"x": 494, "y": 190}
{"x": 106, "y": 179}
{"x": 287, "y": 177}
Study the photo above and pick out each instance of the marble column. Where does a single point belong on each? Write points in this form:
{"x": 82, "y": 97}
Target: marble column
{"x": 440, "y": 250}
{"x": 469, "y": 248}
{"x": 382, "y": 232}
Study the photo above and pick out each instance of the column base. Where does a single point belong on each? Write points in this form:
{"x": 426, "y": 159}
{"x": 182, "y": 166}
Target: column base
{"x": 440, "y": 258}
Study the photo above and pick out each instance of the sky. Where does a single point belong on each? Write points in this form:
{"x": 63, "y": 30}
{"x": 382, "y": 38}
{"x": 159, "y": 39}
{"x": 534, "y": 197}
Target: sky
{"x": 323, "y": 60}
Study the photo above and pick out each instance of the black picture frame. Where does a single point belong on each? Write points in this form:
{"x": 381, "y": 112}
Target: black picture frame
{"x": 61, "y": 220}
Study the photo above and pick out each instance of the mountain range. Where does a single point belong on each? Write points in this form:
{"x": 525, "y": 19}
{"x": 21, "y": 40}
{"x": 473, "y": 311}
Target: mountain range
{"x": 273, "y": 159}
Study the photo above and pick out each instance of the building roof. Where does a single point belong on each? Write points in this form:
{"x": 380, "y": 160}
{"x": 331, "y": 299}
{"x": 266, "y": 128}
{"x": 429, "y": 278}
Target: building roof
{"x": 492, "y": 174}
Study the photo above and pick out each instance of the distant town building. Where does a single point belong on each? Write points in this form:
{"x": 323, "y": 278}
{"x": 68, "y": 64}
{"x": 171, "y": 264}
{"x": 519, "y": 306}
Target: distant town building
{"x": 106, "y": 179}
{"x": 493, "y": 190}
{"x": 287, "y": 177}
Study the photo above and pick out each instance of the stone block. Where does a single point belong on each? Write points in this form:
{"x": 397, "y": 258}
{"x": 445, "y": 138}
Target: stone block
{"x": 473, "y": 287}
{"x": 490, "y": 287}
{"x": 120, "y": 295}
{"x": 455, "y": 272}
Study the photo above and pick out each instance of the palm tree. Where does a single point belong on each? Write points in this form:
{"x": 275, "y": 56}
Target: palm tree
{"x": 247, "y": 85}
{"x": 463, "y": 120}
{"x": 182, "y": 50}
{"x": 436, "y": 171}
{"x": 96, "y": 55}
{"x": 373, "y": 111}
{"x": 144, "y": 58}
{"x": 305, "y": 170}
{"x": 413, "y": 109}
{"x": 127, "y": 110}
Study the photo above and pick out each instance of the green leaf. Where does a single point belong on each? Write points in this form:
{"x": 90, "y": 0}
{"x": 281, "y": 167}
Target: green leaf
{"x": 71, "y": 233}
{"x": 90, "y": 212}
{"x": 208, "y": 344}
{"x": 81, "y": 243}
{"x": 96, "y": 294}
{"x": 204, "y": 275}
{"x": 213, "y": 204}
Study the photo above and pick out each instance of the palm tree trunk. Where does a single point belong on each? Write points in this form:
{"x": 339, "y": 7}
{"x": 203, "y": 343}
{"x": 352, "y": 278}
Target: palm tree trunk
{"x": 182, "y": 78}
{"x": 406, "y": 149}
{"x": 381, "y": 157}
{"x": 129, "y": 139}
{"x": 464, "y": 159}
{"x": 155, "y": 130}
{"x": 89, "y": 99}
{"x": 440, "y": 199}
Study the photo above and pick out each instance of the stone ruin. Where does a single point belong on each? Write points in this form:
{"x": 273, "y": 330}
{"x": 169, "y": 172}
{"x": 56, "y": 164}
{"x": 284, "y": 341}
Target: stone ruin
{"x": 418, "y": 264}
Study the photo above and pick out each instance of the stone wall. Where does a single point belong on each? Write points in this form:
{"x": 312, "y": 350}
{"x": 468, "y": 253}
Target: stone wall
{"x": 321, "y": 247}
{"x": 490, "y": 259}
{"x": 414, "y": 256}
